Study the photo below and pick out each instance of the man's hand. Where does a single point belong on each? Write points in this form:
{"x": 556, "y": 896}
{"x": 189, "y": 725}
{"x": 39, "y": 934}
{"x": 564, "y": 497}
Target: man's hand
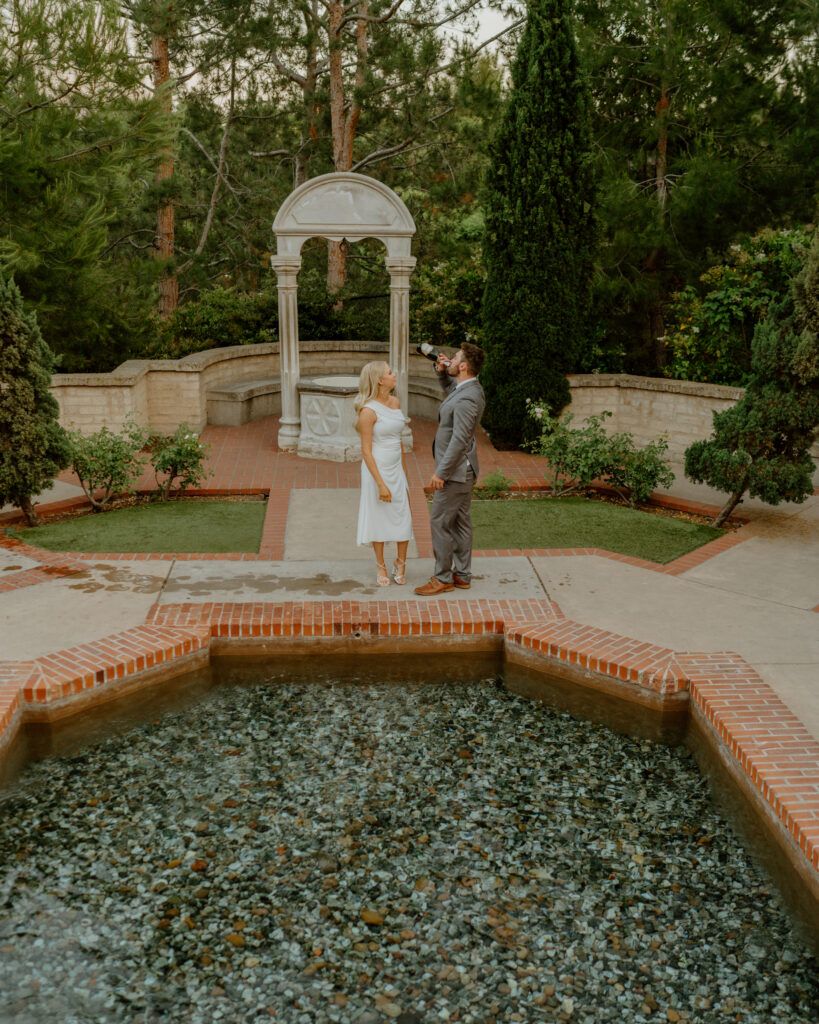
{"x": 436, "y": 483}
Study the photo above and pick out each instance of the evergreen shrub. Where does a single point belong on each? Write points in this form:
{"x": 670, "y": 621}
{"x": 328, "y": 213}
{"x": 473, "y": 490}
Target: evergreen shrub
{"x": 762, "y": 444}
{"x": 540, "y": 226}
{"x": 446, "y": 302}
{"x": 217, "y": 319}
{"x": 33, "y": 445}
{"x": 494, "y": 485}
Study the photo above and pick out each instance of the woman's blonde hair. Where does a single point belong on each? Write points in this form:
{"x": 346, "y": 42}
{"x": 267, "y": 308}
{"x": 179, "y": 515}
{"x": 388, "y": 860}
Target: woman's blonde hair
{"x": 368, "y": 386}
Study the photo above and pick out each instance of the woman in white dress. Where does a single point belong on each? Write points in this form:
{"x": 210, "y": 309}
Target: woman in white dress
{"x": 384, "y": 511}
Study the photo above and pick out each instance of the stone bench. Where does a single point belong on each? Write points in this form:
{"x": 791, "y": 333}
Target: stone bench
{"x": 237, "y": 402}
{"x": 231, "y": 405}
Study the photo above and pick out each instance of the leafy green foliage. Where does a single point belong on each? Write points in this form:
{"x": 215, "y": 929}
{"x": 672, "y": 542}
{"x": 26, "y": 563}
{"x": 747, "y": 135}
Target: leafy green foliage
{"x": 494, "y": 485}
{"x": 762, "y": 444}
{"x": 77, "y": 139}
{"x": 577, "y": 457}
{"x": 540, "y": 232}
{"x": 704, "y": 133}
{"x": 218, "y": 318}
{"x": 178, "y": 459}
{"x": 581, "y": 456}
{"x": 446, "y": 302}
{"x": 709, "y": 335}
{"x": 107, "y": 464}
{"x": 33, "y": 446}
{"x": 636, "y": 473}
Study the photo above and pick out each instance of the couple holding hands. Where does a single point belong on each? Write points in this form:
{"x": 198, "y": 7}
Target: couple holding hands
{"x": 384, "y": 511}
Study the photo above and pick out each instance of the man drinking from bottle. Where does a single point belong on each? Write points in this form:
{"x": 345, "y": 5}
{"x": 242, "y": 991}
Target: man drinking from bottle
{"x": 456, "y": 469}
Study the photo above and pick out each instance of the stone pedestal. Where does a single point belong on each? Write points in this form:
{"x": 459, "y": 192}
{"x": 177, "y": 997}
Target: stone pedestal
{"x": 328, "y": 419}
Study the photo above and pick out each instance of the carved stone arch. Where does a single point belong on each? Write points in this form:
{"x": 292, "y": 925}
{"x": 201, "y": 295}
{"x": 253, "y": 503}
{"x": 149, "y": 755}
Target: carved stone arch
{"x": 337, "y": 206}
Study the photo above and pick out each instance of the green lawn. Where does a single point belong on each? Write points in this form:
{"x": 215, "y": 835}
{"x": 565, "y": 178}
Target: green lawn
{"x": 198, "y": 526}
{"x": 203, "y": 526}
{"x": 580, "y": 523}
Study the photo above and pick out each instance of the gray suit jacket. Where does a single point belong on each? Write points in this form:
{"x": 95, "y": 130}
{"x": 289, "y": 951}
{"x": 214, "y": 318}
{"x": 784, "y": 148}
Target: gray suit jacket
{"x": 458, "y": 419}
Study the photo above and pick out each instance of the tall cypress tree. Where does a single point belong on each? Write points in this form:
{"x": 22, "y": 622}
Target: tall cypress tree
{"x": 540, "y": 226}
{"x": 33, "y": 446}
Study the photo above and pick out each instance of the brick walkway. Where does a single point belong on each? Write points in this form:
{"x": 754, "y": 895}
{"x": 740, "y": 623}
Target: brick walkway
{"x": 247, "y": 459}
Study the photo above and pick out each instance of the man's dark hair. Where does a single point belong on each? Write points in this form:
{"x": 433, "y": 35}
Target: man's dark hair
{"x": 474, "y": 356}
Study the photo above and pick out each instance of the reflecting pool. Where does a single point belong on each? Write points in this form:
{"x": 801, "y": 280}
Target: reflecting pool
{"x": 371, "y": 851}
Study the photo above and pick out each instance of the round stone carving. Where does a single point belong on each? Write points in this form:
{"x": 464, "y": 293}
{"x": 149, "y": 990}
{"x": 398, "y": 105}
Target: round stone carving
{"x": 322, "y": 416}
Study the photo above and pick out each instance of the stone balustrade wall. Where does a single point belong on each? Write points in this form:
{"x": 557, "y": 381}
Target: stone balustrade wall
{"x": 649, "y": 406}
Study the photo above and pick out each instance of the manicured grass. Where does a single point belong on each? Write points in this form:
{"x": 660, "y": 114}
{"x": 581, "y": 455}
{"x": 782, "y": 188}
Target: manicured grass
{"x": 198, "y": 526}
{"x": 581, "y": 523}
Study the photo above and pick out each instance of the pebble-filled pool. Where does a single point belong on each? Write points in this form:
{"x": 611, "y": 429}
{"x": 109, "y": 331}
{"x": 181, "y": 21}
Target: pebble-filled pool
{"x": 310, "y": 852}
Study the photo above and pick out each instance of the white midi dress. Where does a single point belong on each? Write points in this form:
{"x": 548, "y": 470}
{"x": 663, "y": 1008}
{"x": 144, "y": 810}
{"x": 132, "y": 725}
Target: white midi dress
{"x": 385, "y": 520}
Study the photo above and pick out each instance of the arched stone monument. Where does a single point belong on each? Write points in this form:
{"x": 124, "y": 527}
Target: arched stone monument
{"x": 337, "y": 206}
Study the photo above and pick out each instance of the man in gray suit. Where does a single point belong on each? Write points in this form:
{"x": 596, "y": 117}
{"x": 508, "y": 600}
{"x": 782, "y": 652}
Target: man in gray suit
{"x": 456, "y": 470}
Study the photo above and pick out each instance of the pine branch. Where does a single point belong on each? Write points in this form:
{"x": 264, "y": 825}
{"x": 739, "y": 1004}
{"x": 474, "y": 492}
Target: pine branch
{"x": 381, "y": 154}
{"x": 220, "y": 175}
{"x": 39, "y": 106}
{"x": 210, "y": 159}
{"x": 377, "y": 19}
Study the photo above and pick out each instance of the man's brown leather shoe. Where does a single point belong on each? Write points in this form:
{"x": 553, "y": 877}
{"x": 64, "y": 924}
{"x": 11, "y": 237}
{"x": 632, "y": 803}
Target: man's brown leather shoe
{"x": 434, "y": 587}
{"x": 461, "y": 583}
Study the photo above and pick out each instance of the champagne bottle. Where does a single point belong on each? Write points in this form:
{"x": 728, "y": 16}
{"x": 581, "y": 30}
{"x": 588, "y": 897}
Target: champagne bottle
{"x": 432, "y": 353}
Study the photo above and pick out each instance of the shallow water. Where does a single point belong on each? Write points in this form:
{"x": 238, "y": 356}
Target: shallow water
{"x": 512, "y": 864}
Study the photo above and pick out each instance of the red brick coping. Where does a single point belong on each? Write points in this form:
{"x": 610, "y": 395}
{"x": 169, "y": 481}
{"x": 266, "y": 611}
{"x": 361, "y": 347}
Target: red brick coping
{"x": 756, "y": 736}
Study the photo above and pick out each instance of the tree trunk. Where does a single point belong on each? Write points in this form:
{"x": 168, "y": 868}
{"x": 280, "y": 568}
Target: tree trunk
{"x": 310, "y": 107}
{"x": 656, "y": 321}
{"x": 728, "y": 507}
{"x": 343, "y": 126}
{"x": 165, "y": 215}
{"x": 28, "y": 511}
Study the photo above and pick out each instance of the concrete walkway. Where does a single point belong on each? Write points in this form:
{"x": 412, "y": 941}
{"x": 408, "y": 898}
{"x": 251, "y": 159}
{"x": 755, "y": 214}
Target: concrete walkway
{"x": 755, "y": 599}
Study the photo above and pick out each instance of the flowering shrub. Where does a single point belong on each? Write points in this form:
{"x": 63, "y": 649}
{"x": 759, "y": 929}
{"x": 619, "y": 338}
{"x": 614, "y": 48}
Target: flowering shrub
{"x": 179, "y": 457}
{"x": 577, "y": 457}
{"x": 106, "y": 463}
{"x": 635, "y": 473}
{"x": 495, "y": 484}
{"x": 709, "y": 335}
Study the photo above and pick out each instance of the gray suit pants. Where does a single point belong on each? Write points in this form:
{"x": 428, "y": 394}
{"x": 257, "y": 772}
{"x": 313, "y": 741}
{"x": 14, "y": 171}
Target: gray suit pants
{"x": 452, "y": 529}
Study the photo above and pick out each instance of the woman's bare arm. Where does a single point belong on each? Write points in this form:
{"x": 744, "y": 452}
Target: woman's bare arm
{"x": 366, "y": 422}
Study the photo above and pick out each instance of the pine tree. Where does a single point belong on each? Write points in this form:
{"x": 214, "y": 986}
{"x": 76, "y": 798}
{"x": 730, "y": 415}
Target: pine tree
{"x": 33, "y": 446}
{"x": 540, "y": 232}
{"x": 762, "y": 444}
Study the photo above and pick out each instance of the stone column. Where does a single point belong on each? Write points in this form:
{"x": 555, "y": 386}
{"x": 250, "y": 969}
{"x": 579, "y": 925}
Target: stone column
{"x": 287, "y": 270}
{"x": 400, "y": 268}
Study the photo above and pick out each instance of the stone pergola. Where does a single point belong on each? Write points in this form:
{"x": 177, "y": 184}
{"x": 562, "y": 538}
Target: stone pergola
{"x": 338, "y": 206}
